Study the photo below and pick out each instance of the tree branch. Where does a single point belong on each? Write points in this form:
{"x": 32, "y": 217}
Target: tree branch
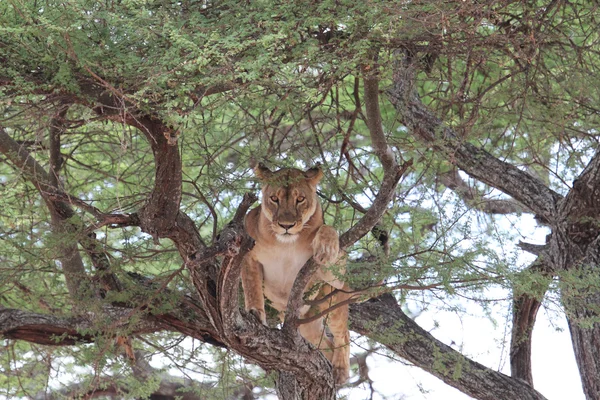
{"x": 231, "y": 267}
{"x": 374, "y": 123}
{"x": 188, "y": 317}
{"x": 57, "y": 127}
{"x": 581, "y": 206}
{"x": 72, "y": 265}
{"x": 574, "y": 247}
{"x": 58, "y": 202}
{"x": 478, "y": 163}
{"x": 525, "y": 307}
{"x": 55, "y": 330}
{"x": 392, "y": 172}
{"x": 382, "y": 320}
{"x": 378, "y": 208}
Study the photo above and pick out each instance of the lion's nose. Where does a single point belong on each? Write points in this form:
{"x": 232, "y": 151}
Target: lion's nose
{"x": 287, "y": 226}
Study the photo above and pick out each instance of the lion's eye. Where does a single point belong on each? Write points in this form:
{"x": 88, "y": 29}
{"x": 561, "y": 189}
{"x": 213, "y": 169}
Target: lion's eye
{"x": 274, "y": 199}
{"x": 300, "y": 199}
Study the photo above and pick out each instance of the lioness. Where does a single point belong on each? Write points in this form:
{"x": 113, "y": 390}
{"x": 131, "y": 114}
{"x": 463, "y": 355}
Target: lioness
{"x": 288, "y": 229}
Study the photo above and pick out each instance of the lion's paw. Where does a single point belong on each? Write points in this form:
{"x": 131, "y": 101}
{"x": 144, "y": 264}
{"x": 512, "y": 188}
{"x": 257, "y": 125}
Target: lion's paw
{"x": 259, "y": 314}
{"x": 326, "y": 246}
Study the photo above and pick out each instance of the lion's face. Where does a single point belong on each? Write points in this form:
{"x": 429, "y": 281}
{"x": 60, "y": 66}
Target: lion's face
{"x": 289, "y": 199}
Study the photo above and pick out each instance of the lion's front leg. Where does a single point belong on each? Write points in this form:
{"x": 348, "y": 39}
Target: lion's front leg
{"x": 252, "y": 282}
{"x": 337, "y": 350}
{"x": 326, "y": 246}
{"x": 338, "y": 324}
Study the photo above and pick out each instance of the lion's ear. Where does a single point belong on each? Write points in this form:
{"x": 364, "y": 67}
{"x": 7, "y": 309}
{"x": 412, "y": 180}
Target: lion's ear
{"x": 314, "y": 174}
{"x": 262, "y": 172}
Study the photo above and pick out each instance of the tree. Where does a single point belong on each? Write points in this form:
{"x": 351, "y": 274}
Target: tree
{"x": 128, "y": 129}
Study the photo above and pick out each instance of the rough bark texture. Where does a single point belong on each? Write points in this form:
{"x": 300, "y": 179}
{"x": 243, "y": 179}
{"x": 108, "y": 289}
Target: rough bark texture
{"x": 586, "y": 344}
{"x": 304, "y": 372}
{"x": 574, "y": 247}
{"x": 525, "y": 310}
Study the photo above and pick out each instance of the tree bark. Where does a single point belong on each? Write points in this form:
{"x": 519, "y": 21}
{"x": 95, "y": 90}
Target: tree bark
{"x": 524, "y": 312}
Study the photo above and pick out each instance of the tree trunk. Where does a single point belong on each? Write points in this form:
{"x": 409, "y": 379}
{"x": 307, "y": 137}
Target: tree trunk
{"x": 586, "y": 344}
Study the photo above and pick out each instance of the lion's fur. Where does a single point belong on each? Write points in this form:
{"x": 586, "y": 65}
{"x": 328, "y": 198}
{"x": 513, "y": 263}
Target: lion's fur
{"x": 288, "y": 229}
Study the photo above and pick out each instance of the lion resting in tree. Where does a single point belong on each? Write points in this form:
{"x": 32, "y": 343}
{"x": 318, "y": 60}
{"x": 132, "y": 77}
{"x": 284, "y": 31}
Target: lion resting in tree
{"x": 288, "y": 230}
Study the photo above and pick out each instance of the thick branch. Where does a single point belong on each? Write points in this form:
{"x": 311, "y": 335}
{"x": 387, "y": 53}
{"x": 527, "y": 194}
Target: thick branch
{"x": 55, "y": 330}
{"x": 188, "y": 318}
{"x": 383, "y": 320}
{"x": 525, "y": 309}
{"x": 574, "y": 247}
{"x": 71, "y": 262}
{"x": 374, "y": 123}
{"x": 41, "y": 328}
{"x": 159, "y": 214}
{"x": 478, "y": 163}
{"x": 580, "y": 295}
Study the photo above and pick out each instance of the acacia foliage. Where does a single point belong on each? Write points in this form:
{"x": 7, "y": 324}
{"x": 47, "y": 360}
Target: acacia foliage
{"x": 131, "y": 105}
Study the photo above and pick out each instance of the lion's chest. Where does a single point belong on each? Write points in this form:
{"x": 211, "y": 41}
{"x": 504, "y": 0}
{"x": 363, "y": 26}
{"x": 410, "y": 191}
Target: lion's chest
{"x": 280, "y": 267}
